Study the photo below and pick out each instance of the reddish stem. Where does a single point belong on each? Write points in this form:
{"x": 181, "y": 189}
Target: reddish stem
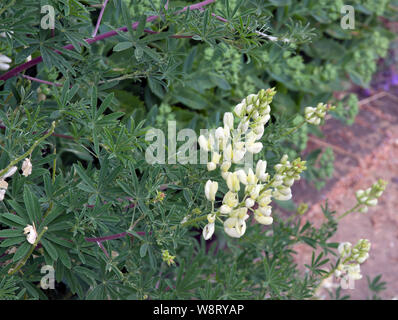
{"x": 13, "y": 72}
{"x": 113, "y": 237}
{"x": 100, "y": 17}
{"x": 41, "y": 81}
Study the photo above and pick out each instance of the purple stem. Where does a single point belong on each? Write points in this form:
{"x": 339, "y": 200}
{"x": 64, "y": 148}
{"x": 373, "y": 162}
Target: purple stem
{"x": 41, "y": 81}
{"x": 113, "y": 237}
{"x": 100, "y": 17}
{"x": 13, "y": 72}
{"x": 103, "y": 248}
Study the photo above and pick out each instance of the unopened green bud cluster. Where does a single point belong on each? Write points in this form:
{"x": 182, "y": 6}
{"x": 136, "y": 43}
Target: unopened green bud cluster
{"x": 369, "y": 196}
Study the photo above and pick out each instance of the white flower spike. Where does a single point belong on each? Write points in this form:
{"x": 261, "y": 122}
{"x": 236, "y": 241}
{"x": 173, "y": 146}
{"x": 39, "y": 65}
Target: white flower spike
{"x": 229, "y": 146}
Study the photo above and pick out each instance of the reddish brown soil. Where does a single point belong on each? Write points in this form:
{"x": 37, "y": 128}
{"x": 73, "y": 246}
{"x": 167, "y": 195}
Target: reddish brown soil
{"x": 364, "y": 152}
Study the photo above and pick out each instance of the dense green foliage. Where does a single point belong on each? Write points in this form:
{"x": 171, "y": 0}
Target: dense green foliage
{"x": 90, "y": 179}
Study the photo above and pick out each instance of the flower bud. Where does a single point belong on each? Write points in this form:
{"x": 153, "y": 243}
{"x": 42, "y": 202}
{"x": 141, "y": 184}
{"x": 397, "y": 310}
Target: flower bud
{"x": 211, "y": 190}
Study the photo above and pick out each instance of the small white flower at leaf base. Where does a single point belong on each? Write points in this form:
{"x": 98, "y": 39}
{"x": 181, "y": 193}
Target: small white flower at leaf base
{"x": 211, "y": 188}
{"x": 4, "y": 62}
{"x": 208, "y": 231}
{"x": 31, "y": 233}
{"x": 26, "y": 167}
{"x": 9, "y": 173}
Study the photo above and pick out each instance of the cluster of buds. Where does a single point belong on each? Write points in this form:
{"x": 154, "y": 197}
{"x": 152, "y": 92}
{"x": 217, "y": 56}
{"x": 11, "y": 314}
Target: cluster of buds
{"x": 159, "y": 197}
{"x": 4, "y": 60}
{"x": 286, "y": 174}
{"x": 167, "y": 257}
{"x": 351, "y": 258}
{"x": 26, "y": 171}
{"x": 315, "y": 115}
{"x": 228, "y": 145}
{"x": 369, "y": 196}
{"x": 259, "y": 188}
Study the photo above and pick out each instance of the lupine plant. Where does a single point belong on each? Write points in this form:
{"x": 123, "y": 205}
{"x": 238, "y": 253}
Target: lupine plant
{"x": 77, "y": 193}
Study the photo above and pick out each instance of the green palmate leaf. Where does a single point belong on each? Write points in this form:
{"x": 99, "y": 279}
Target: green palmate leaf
{"x": 32, "y": 205}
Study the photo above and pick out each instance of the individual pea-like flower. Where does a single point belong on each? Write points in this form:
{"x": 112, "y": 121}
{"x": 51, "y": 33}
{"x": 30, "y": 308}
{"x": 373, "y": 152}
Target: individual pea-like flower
{"x": 261, "y": 168}
{"x": 235, "y": 226}
{"x": 208, "y": 230}
{"x": 228, "y": 120}
{"x": 31, "y": 233}
{"x": 233, "y": 182}
{"x": 263, "y": 215}
{"x": 315, "y": 115}
{"x": 211, "y": 188}
{"x": 369, "y": 197}
{"x": 26, "y": 167}
{"x": 230, "y": 201}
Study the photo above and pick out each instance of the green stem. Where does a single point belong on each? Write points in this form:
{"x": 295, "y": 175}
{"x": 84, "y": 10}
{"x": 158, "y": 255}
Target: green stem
{"x": 27, "y": 153}
{"x": 198, "y": 219}
{"x": 349, "y": 211}
{"x": 294, "y": 129}
{"x": 22, "y": 262}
